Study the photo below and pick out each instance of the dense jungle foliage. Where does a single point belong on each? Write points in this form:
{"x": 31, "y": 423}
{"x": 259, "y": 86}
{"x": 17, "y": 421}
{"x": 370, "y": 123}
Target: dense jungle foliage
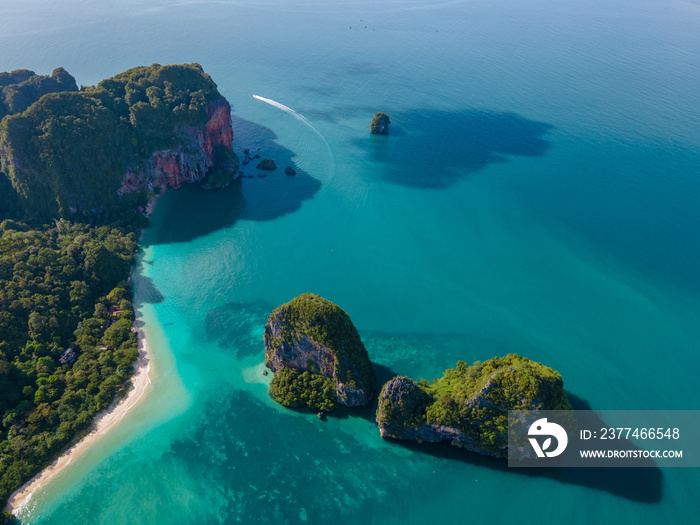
{"x": 19, "y": 89}
{"x": 61, "y": 287}
{"x": 294, "y": 388}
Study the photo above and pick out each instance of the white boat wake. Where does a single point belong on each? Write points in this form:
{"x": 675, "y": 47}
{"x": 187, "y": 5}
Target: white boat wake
{"x": 303, "y": 119}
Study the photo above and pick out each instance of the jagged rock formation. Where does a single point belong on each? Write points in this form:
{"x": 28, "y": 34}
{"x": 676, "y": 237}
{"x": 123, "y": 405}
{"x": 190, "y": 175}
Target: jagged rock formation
{"x": 380, "y": 124}
{"x": 469, "y": 405}
{"x": 247, "y": 158}
{"x": 290, "y": 171}
{"x": 317, "y": 356}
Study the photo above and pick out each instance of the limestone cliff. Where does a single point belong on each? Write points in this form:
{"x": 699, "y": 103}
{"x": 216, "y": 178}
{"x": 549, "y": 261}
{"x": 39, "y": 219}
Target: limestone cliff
{"x": 469, "y": 405}
{"x": 194, "y": 157}
{"x": 401, "y": 415}
{"x": 314, "y": 336}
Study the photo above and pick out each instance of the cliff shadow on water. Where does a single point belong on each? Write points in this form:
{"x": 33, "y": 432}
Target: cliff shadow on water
{"x": 190, "y": 212}
{"x": 642, "y": 484}
{"x": 435, "y": 149}
{"x": 145, "y": 290}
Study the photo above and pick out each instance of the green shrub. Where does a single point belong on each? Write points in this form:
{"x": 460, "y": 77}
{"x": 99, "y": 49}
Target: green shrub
{"x": 293, "y": 388}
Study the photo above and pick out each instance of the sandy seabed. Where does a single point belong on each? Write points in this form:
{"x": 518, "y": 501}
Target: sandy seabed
{"x": 103, "y": 423}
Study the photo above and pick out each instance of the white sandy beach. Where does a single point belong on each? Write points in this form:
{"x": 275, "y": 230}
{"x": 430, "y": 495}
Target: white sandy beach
{"x": 103, "y": 423}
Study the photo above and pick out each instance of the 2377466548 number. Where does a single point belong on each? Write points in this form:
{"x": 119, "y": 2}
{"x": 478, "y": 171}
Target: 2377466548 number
{"x": 639, "y": 433}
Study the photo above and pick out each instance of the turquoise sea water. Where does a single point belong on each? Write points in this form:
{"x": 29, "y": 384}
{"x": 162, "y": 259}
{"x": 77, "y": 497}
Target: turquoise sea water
{"x": 538, "y": 194}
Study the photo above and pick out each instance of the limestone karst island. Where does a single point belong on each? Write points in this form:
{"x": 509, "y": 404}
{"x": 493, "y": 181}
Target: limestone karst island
{"x": 317, "y": 356}
{"x": 296, "y": 262}
{"x": 380, "y": 124}
{"x": 320, "y": 362}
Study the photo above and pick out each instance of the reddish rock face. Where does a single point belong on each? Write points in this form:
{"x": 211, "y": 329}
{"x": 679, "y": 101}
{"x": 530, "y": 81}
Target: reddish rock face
{"x": 218, "y": 131}
{"x": 172, "y": 168}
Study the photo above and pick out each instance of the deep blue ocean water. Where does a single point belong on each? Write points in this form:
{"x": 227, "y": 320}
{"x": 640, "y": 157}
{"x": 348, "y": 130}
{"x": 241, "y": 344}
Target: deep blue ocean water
{"x": 538, "y": 194}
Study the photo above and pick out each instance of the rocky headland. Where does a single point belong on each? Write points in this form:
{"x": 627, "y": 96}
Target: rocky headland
{"x": 320, "y": 362}
{"x": 103, "y": 149}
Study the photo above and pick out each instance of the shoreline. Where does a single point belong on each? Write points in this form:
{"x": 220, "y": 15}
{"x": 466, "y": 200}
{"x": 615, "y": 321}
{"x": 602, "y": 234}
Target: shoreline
{"x": 102, "y": 424}
{"x": 152, "y": 204}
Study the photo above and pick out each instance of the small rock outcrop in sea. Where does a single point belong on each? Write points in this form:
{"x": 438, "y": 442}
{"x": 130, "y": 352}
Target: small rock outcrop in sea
{"x": 247, "y": 158}
{"x": 469, "y": 405}
{"x": 317, "y": 356}
{"x": 380, "y": 124}
{"x": 290, "y": 171}
{"x": 267, "y": 164}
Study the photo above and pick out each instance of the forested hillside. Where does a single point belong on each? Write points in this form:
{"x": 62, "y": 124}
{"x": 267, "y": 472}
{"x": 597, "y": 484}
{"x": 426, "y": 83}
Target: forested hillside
{"x": 60, "y": 287}
{"x": 19, "y": 89}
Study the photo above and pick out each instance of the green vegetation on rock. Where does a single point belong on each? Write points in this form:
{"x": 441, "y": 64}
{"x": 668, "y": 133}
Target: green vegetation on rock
{"x": 404, "y": 404}
{"x": 225, "y": 170}
{"x": 294, "y": 388}
{"x": 474, "y": 400}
